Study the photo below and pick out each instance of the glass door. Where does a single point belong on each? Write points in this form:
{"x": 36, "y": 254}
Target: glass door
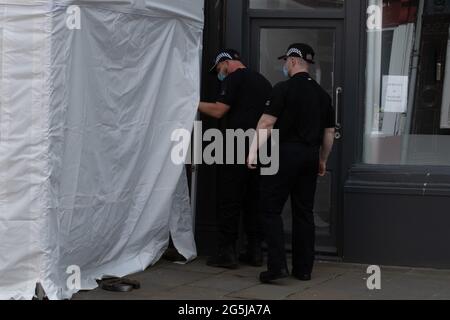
{"x": 269, "y": 40}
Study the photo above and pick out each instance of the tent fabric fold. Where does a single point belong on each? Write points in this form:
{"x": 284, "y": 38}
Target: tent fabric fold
{"x": 87, "y": 185}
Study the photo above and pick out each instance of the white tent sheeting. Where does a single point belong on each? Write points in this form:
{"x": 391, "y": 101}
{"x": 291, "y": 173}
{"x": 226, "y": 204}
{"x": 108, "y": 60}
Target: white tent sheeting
{"x": 86, "y": 117}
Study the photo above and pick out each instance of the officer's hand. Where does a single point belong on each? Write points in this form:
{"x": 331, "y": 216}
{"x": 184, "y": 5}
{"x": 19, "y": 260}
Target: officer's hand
{"x": 322, "y": 168}
{"x": 252, "y": 161}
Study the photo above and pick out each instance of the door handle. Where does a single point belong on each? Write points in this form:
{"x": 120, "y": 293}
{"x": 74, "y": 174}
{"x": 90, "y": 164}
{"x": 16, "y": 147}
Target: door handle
{"x": 439, "y": 71}
{"x": 337, "y": 110}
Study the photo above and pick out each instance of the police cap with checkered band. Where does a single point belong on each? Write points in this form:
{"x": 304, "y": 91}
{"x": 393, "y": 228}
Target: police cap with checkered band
{"x": 223, "y": 55}
{"x": 300, "y": 50}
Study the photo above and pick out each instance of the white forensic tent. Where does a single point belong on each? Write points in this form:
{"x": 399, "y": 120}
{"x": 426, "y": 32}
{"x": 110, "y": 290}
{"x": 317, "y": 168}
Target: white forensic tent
{"x": 86, "y": 117}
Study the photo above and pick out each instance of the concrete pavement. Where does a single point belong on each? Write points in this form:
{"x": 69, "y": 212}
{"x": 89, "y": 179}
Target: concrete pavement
{"x": 196, "y": 281}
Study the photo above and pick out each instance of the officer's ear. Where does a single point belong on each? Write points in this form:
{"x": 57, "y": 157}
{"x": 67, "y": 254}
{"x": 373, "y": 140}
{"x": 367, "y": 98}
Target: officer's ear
{"x": 293, "y": 61}
{"x": 221, "y": 66}
{"x": 287, "y": 61}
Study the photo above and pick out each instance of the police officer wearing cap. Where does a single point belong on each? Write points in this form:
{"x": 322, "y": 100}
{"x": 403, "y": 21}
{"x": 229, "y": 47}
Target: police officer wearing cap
{"x": 243, "y": 97}
{"x": 303, "y": 113}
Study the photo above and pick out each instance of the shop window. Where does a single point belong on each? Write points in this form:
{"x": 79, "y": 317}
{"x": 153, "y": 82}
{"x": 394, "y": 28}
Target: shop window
{"x": 408, "y": 83}
{"x": 296, "y": 4}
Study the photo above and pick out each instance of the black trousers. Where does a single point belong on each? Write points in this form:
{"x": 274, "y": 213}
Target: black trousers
{"x": 238, "y": 195}
{"x": 297, "y": 177}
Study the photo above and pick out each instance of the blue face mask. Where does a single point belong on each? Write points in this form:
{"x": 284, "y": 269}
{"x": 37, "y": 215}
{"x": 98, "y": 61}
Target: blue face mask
{"x": 221, "y": 76}
{"x": 285, "y": 71}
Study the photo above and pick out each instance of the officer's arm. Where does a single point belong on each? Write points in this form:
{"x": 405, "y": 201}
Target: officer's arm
{"x": 267, "y": 122}
{"x": 327, "y": 146}
{"x": 263, "y": 132}
{"x": 216, "y": 110}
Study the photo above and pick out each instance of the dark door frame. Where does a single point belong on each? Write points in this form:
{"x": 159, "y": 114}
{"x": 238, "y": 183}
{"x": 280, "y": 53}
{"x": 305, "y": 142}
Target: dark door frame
{"x": 326, "y": 243}
{"x": 238, "y": 29}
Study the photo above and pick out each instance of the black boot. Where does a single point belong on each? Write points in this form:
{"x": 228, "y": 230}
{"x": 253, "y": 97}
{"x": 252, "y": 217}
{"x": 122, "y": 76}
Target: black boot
{"x": 253, "y": 255}
{"x": 270, "y": 276}
{"x": 226, "y": 258}
{"x": 302, "y": 276}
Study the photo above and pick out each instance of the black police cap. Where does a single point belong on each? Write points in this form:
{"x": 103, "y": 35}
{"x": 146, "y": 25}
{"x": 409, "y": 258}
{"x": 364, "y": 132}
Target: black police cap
{"x": 223, "y": 55}
{"x": 300, "y": 50}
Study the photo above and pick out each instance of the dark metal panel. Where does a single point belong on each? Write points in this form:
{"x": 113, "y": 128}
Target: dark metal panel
{"x": 394, "y": 229}
{"x": 351, "y": 112}
{"x": 213, "y": 40}
{"x": 235, "y": 24}
{"x": 399, "y": 180}
{"x": 353, "y": 95}
{"x": 360, "y": 114}
{"x": 433, "y": 173}
{"x": 297, "y": 14}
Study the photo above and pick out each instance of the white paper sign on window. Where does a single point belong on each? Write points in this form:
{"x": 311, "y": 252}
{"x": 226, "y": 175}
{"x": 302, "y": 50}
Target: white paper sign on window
{"x": 445, "y": 115}
{"x": 395, "y": 94}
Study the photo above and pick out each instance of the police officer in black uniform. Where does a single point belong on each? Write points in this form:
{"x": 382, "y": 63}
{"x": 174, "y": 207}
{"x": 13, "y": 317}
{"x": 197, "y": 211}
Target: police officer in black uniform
{"x": 303, "y": 113}
{"x": 243, "y": 97}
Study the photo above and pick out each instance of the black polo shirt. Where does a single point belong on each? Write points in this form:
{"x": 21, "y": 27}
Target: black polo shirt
{"x": 247, "y": 93}
{"x": 303, "y": 110}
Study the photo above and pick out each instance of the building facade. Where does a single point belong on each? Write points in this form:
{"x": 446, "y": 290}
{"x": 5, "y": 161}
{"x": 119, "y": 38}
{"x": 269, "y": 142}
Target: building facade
{"x": 386, "y": 63}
